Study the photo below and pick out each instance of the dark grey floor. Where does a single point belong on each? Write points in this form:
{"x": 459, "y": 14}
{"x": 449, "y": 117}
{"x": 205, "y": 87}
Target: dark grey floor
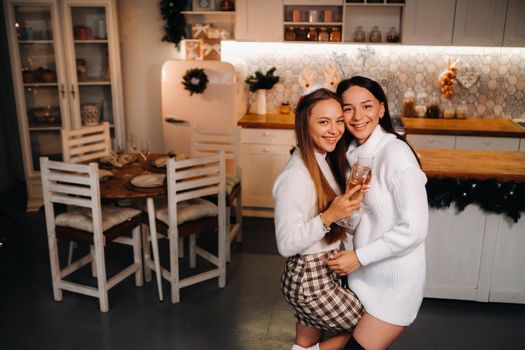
{"x": 249, "y": 313}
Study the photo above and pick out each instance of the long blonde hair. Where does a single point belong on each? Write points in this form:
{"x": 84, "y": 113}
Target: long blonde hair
{"x": 337, "y": 159}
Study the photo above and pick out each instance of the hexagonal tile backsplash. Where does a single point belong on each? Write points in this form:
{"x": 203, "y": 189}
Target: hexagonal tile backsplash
{"x": 499, "y": 91}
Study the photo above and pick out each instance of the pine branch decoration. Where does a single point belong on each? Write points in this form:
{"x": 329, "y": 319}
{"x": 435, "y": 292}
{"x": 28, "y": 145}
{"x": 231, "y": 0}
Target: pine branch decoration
{"x": 175, "y": 21}
{"x": 259, "y": 80}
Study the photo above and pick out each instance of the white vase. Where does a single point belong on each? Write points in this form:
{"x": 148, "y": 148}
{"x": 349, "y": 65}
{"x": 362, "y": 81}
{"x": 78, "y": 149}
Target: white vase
{"x": 260, "y": 101}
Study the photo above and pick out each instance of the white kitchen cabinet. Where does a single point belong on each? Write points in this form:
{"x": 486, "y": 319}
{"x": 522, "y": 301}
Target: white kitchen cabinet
{"x": 264, "y": 154}
{"x": 383, "y": 15}
{"x": 259, "y": 20}
{"x": 65, "y": 57}
{"x": 522, "y": 145}
{"x": 479, "y": 22}
{"x": 514, "y": 24}
{"x": 428, "y": 22}
{"x": 454, "y": 248}
{"x": 431, "y": 141}
{"x": 507, "y": 282}
{"x": 488, "y": 143}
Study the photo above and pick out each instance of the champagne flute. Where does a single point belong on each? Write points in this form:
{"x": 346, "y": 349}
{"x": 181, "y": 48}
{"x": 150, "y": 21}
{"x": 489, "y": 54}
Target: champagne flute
{"x": 132, "y": 144}
{"x": 144, "y": 149}
{"x": 367, "y": 163}
{"x": 360, "y": 175}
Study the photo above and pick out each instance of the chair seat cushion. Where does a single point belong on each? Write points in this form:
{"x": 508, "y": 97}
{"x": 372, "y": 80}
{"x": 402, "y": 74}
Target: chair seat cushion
{"x": 231, "y": 182}
{"x": 189, "y": 210}
{"x": 81, "y": 219}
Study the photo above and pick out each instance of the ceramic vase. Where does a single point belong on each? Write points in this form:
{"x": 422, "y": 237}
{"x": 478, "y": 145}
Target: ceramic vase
{"x": 260, "y": 101}
{"x": 90, "y": 113}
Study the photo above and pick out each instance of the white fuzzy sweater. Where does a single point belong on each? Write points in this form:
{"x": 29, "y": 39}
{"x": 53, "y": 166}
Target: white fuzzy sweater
{"x": 298, "y": 228}
{"x": 389, "y": 241}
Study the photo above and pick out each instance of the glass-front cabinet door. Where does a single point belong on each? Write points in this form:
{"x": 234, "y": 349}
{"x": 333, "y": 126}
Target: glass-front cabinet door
{"x": 87, "y": 38}
{"x": 41, "y": 73}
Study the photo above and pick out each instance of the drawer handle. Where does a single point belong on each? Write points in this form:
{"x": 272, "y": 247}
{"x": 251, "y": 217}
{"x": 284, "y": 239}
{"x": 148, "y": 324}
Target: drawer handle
{"x": 266, "y": 150}
{"x": 430, "y": 140}
{"x": 266, "y": 133}
{"x": 487, "y": 142}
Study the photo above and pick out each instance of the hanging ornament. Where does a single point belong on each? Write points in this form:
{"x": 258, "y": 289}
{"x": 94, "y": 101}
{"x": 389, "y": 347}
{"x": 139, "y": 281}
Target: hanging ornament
{"x": 195, "y": 81}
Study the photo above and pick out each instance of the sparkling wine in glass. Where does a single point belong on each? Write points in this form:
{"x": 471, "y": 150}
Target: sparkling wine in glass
{"x": 144, "y": 150}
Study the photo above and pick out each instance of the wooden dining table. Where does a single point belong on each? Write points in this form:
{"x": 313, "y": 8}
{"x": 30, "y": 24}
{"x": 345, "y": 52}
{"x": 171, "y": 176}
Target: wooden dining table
{"x": 119, "y": 187}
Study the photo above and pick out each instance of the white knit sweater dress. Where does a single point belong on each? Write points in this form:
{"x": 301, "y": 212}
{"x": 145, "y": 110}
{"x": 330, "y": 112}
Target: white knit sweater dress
{"x": 389, "y": 241}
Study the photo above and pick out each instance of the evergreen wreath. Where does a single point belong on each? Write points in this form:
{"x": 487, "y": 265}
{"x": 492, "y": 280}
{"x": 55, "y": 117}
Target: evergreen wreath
{"x": 490, "y": 195}
{"x": 195, "y": 80}
{"x": 175, "y": 21}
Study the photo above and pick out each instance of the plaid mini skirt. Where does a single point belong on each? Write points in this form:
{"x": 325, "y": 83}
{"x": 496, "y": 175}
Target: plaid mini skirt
{"x": 316, "y": 294}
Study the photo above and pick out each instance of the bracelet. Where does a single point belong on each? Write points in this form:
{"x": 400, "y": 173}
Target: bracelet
{"x": 325, "y": 227}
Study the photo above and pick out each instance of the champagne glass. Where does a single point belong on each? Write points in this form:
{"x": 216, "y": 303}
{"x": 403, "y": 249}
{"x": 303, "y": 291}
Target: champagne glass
{"x": 366, "y": 163}
{"x": 132, "y": 144}
{"x": 360, "y": 174}
{"x": 144, "y": 149}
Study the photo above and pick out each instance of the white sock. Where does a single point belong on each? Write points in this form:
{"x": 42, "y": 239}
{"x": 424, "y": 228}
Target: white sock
{"x": 297, "y": 347}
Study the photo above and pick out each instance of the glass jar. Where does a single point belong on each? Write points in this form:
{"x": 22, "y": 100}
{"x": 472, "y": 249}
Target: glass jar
{"x": 300, "y": 34}
{"x": 393, "y": 35}
{"x": 409, "y": 100}
{"x": 227, "y": 5}
{"x": 433, "y": 110}
{"x": 449, "y": 112}
{"x": 335, "y": 34}
{"x": 420, "y": 108}
{"x": 323, "y": 35}
{"x": 462, "y": 111}
{"x": 375, "y": 35}
{"x": 359, "y": 35}
{"x": 289, "y": 34}
{"x": 312, "y": 34}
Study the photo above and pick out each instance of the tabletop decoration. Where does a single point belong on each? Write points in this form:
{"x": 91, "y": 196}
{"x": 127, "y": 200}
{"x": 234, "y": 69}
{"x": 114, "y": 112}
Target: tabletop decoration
{"x": 259, "y": 82}
{"x": 195, "y": 80}
{"x": 175, "y": 20}
{"x": 491, "y": 196}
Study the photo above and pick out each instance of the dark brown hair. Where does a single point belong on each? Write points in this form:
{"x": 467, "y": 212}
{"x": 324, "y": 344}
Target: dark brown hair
{"x": 336, "y": 159}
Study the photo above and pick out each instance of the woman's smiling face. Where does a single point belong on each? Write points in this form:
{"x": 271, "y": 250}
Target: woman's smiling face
{"x": 362, "y": 112}
{"x": 326, "y": 125}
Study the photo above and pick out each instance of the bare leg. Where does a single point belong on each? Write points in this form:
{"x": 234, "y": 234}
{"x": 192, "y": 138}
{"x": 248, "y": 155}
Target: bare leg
{"x": 307, "y": 336}
{"x": 337, "y": 342}
{"x": 374, "y": 334}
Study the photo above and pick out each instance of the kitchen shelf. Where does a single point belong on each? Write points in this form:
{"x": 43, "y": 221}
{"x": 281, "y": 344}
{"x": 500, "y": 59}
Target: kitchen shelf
{"x": 209, "y": 13}
{"x": 95, "y": 41}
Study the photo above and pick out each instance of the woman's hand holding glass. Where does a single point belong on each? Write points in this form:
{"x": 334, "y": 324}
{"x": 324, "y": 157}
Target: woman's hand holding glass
{"x": 343, "y": 206}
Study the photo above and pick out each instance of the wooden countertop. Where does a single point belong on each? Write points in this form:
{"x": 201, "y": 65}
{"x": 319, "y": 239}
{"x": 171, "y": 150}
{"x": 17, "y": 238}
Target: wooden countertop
{"x": 474, "y": 165}
{"x": 268, "y": 121}
{"x": 469, "y": 127}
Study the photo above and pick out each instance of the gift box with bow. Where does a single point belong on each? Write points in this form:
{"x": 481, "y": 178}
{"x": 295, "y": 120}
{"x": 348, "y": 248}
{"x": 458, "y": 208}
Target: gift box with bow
{"x": 200, "y": 30}
{"x": 212, "y": 49}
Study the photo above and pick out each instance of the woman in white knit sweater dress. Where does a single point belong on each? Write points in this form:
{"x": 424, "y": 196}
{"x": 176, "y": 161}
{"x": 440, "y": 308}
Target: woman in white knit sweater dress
{"x": 386, "y": 265}
{"x": 308, "y": 200}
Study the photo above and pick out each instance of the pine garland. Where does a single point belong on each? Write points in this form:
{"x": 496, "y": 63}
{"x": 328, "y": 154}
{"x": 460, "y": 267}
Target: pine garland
{"x": 491, "y": 196}
{"x": 175, "y": 21}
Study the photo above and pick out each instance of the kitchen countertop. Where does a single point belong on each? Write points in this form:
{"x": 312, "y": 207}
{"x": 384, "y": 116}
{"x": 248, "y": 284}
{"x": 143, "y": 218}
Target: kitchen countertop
{"x": 474, "y": 165}
{"x": 268, "y": 121}
{"x": 467, "y": 127}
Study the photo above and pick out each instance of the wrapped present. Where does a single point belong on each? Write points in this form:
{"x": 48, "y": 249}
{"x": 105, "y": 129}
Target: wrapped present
{"x": 211, "y": 49}
{"x": 193, "y": 49}
{"x": 200, "y": 30}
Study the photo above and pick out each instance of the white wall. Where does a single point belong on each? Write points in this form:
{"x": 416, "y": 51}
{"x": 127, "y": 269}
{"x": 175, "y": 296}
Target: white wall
{"x": 142, "y": 54}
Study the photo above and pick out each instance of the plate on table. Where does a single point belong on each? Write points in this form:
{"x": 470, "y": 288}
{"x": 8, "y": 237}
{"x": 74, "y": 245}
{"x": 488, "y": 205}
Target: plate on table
{"x": 118, "y": 160}
{"x": 148, "y": 180}
{"x": 160, "y": 162}
{"x": 104, "y": 174}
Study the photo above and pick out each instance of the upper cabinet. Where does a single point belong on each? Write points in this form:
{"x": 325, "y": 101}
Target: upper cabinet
{"x": 429, "y": 22}
{"x": 259, "y": 20}
{"x": 515, "y": 25}
{"x": 479, "y": 22}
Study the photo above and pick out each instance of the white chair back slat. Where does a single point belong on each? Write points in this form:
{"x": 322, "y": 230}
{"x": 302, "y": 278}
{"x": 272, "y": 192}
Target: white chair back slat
{"x": 68, "y": 200}
{"x": 74, "y": 190}
{"x": 202, "y": 182}
{"x": 190, "y": 162}
{"x": 69, "y": 178}
{"x": 86, "y": 143}
{"x": 203, "y": 192}
{"x": 61, "y": 166}
{"x": 197, "y": 171}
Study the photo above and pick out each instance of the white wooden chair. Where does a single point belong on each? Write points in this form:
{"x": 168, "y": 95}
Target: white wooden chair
{"x": 77, "y": 185}
{"x": 208, "y": 141}
{"x": 86, "y": 143}
{"x": 82, "y": 145}
{"x": 187, "y": 214}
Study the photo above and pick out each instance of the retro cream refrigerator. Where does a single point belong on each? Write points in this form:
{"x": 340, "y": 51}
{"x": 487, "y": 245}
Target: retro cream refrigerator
{"x": 220, "y": 105}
